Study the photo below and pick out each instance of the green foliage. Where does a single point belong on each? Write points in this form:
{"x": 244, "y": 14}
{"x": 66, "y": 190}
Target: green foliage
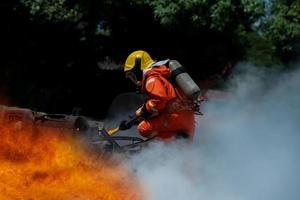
{"x": 254, "y": 8}
{"x": 283, "y": 26}
{"x": 215, "y": 15}
{"x": 260, "y": 51}
{"x": 221, "y": 14}
{"x": 166, "y": 11}
{"x": 54, "y": 10}
{"x": 259, "y": 30}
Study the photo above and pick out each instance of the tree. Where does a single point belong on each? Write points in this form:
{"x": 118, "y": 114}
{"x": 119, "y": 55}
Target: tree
{"x": 273, "y": 22}
{"x": 215, "y": 15}
{"x": 282, "y": 27}
{"x": 56, "y": 10}
{"x": 264, "y": 31}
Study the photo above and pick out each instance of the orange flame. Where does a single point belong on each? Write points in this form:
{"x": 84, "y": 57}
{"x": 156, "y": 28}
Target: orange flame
{"x": 49, "y": 165}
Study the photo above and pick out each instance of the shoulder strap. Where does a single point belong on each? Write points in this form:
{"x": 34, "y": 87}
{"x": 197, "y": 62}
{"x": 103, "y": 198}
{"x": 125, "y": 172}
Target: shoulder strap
{"x": 162, "y": 62}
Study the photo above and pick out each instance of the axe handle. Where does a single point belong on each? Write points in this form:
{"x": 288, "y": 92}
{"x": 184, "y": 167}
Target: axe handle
{"x": 113, "y": 131}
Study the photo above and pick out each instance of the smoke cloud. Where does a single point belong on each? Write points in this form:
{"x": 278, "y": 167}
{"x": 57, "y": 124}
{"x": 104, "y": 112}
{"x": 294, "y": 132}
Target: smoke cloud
{"x": 246, "y": 147}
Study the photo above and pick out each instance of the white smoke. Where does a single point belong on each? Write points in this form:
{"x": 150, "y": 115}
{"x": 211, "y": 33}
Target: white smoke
{"x": 245, "y": 148}
{"x": 109, "y": 64}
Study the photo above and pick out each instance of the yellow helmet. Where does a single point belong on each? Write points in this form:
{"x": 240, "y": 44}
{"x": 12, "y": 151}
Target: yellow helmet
{"x": 140, "y": 59}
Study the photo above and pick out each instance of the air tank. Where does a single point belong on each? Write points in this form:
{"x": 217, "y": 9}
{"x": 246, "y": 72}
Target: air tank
{"x": 183, "y": 80}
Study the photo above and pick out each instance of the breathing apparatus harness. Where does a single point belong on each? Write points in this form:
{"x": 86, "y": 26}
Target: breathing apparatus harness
{"x": 190, "y": 91}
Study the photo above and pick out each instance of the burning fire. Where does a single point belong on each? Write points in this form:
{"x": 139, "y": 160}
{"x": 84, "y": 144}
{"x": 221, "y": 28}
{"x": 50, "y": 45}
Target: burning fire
{"x": 49, "y": 165}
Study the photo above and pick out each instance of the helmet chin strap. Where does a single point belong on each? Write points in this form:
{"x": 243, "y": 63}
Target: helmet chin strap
{"x": 132, "y": 76}
{"x": 136, "y": 74}
{"x": 138, "y": 87}
{"x": 138, "y": 83}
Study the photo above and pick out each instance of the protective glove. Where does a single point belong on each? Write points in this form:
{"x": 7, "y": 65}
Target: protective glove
{"x": 134, "y": 120}
{"x": 142, "y": 112}
{"x": 124, "y": 125}
{"x": 138, "y": 112}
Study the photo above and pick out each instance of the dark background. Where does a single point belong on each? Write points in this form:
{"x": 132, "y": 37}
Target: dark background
{"x": 52, "y": 65}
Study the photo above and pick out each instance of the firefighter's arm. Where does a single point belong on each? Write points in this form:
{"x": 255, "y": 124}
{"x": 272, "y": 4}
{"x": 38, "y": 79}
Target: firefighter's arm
{"x": 157, "y": 97}
{"x": 155, "y": 104}
{"x": 150, "y": 107}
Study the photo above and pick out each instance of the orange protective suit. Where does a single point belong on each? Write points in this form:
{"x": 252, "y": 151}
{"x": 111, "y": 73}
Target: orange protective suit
{"x": 173, "y": 118}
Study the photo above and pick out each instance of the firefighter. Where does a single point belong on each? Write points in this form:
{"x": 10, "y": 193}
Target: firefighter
{"x": 166, "y": 113}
